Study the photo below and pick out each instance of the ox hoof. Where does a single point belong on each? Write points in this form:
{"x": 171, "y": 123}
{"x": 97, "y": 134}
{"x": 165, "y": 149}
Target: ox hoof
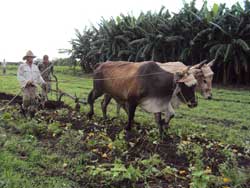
{"x": 128, "y": 128}
{"x": 90, "y": 115}
{"x": 113, "y": 118}
{"x": 105, "y": 118}
{"x": 166, "y": 126}
{"x": 163, "y": 134}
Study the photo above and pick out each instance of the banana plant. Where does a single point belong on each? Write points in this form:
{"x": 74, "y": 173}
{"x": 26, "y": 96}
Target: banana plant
{"x": 190, "y": 35}
{"x": 227, "y": 40}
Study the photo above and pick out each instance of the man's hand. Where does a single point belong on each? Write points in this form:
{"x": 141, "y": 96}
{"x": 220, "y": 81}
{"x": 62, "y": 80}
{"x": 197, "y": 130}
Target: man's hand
{"x": 44, "y": 85}
{"x": 29, "y": 83}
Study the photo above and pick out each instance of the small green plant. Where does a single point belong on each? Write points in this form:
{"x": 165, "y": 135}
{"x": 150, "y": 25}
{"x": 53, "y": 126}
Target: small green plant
{"x": 3, "y": 137}
{"x": 200, "y": 178}
{"x": 33, "y": 128}
{"x": 98, "y": 171}
{"x": 153, "y": 135}
{"x": 95, "y": 140}
{"x": 192, "y": 150}
{"x": 6, "y": 116}
{"x": 70, "y": 142}
{"x": 55, "y": 129}
{"x": 152, "y": 165}
{"x": 115, "y": 172}
{"x": 63, "y": 112}
{"x": 232, "y": 174}
{"x": 120, "y": 144}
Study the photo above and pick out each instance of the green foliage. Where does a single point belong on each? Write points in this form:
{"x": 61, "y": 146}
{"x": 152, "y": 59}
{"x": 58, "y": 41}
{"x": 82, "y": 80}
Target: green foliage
{"x": 151, "y": 166}
{"x": 54, "y": 128}
{"x": 116, "y": 172}
{"x": 154, "y": 160}
{"x": 217, "y": 32}
{"x": 153, "y": 135}
{"x": 119, "y": 143}
{"x": 120, "y": 172}
{"x": 233, "y": 175}
{"x": 70, "y": 142}
{"x": 192, "y": 150}
{"x": 200, "y": 179}
{"x": 64, "y": 62}
{"x": 6, "y": 116}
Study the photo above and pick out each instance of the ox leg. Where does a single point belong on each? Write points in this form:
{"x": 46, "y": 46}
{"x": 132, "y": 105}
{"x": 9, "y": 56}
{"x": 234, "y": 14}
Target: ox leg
{"x": 159, "y": 122}
{"x": 106, "y": 100}
{"x": 131, "y": 114}
{"x": 169, "y": 115}
{"x": 164, "y": 124}
{"x": 118, "y": 108}
{"x": 93, "y": 95}
{"x": 125, "y": 107}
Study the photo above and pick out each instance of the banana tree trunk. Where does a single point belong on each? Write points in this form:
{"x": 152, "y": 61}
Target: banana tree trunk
{"x": 224, "y": 74}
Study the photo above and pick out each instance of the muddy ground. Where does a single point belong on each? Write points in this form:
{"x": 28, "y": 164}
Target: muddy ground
{"x": 140, "y": 148}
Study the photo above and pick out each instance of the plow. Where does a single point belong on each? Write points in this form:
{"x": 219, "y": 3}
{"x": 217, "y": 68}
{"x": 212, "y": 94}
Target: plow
{"x": 60, "y": 94}
{"x": 49, "y": 104}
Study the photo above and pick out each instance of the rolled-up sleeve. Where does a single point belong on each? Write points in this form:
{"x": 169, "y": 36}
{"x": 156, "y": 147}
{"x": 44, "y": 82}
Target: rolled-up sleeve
{"x": 20, "y": 76}
{"x": 40, "y": 79}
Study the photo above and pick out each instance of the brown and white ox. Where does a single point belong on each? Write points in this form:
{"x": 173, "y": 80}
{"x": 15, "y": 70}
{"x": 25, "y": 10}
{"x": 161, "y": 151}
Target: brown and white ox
{"x": 202, "y": 73}
{"x": 145, "y": 84}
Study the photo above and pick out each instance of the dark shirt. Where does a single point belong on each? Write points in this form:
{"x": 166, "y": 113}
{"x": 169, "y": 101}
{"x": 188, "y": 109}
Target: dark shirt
{"x": 46, "y": 74}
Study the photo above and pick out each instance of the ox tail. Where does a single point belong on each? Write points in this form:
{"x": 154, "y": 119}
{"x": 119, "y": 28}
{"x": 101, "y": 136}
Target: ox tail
{"x": 96, "y": 65}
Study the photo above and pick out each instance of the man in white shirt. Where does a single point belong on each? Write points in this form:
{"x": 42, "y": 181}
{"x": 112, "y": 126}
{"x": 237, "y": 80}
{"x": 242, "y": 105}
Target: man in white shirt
{"x": 29, "y": 77}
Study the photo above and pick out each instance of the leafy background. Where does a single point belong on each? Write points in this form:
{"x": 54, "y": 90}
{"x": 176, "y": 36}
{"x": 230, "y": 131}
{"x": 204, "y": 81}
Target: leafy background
{"x": 190, "y": 36}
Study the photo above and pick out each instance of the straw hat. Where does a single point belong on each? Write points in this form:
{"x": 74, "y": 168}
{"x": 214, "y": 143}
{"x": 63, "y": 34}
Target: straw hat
{"x": 29, "y": 54}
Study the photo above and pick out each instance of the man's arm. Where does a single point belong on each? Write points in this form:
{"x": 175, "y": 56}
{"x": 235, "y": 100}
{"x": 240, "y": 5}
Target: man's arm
{"x": 51, "y": 68}
{"x": 39, "y": 66}
{"x": 40, "y": 79}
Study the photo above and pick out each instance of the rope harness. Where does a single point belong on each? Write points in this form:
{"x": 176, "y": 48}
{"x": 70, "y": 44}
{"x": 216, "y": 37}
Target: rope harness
{"x": 4, "y": 107}
{"x": 98, "y": 79}
{"x": 184, "y": 99}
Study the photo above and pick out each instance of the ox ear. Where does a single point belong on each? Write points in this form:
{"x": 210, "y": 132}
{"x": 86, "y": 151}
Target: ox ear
{"x": 180, "y": 75}
{"x": 186, "y": 70}
{"x": 211, "y": 63}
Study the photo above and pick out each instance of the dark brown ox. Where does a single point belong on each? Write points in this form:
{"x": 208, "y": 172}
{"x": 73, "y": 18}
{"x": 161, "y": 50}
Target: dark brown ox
{"x": 145, "y": 84}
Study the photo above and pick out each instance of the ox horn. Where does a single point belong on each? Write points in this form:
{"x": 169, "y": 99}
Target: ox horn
{"x": 211, "y": 63}
{"x": 199, "y": 65}
{"x": 202, "y": 63}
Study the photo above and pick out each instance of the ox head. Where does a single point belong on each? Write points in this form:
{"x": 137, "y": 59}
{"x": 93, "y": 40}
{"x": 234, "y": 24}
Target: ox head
{"x": 204, "y": 76}
{"x": 185, "y": 89}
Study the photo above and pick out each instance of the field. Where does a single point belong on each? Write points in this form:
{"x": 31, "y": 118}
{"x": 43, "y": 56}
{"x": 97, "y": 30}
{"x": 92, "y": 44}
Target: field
{"x": 208, "y": 146}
